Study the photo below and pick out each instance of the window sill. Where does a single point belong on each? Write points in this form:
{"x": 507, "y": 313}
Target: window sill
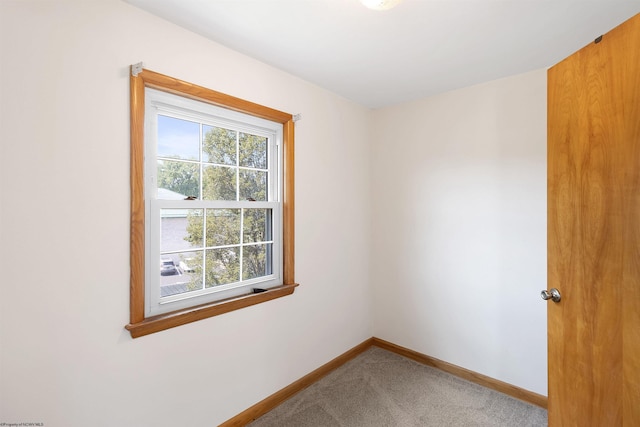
{"x": 161, "y": 322}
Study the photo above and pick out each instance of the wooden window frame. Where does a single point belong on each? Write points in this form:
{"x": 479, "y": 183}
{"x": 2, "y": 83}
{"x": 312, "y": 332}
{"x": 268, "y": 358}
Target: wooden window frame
{"x": 139, "y": 325}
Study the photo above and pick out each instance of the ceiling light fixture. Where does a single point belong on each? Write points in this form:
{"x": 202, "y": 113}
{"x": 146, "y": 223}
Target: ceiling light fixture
{"x": 380, "y": 4}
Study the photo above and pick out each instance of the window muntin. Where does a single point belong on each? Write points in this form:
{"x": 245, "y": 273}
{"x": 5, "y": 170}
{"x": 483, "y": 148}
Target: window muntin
{"x": 213, "y": 203}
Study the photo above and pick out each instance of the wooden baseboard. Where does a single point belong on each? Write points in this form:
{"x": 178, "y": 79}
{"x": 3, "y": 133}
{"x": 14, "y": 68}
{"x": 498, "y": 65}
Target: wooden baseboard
{"x": 278, "y": 397}
{"x": 483, "y": 380}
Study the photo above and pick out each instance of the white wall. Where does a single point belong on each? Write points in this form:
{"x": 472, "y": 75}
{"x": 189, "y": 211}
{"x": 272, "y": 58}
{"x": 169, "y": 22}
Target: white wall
{"x": 66, "y": 359}
{"x": 459, "y": 226}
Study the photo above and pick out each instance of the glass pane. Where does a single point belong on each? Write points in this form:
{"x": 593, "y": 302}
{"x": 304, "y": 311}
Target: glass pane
{"x": 253, "y": 185}
{"x": 253, "y": 151}
{"x": 180, "y": 229}
{"x": 256, "y": 261}
{"x": 177, "y": 180}
{"x": 219, "y": 145}
{"x": 178, "y": 138}
{"x": 180, "y": 273}
{"x": 257, "y": 225}
{"x": 170, "y": 278}
{"x": 222, "y": 266}
{"x": 223, "y": 227}
{"x": 219, "y": 183}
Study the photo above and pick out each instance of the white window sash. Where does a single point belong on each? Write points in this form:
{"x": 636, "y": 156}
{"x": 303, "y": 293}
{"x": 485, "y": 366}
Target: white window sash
{"x": 183, "y": 108}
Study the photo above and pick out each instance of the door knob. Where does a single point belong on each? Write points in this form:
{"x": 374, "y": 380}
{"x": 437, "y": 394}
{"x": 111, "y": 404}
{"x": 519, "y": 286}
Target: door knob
{"x": 553, "y": 295}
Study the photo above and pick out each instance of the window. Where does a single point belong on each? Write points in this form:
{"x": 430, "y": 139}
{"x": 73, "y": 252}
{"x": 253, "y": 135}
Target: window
{"x": 211, "y": 203}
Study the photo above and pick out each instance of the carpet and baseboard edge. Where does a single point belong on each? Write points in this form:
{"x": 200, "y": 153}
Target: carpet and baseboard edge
{"x": 474, "y": 377}
{"x": 278, "y": 397}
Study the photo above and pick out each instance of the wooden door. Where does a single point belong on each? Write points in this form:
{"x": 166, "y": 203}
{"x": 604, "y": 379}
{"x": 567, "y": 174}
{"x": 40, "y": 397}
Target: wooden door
{"x": 594, "y": 233}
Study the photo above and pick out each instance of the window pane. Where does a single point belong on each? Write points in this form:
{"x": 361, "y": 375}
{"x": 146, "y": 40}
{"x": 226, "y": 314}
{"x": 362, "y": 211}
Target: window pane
{"x": 219, "y": 145}
{"x": 223, "y": 227}
{"x": 222, "y": 266}
{"x": 256, "y": 261}
{"x": 253, "y": 185}
{"x": 170, "y": 279}
{"x": 178, "y": 138}
{"x": 253, "y": 151}
{"x": 180, "y": 229}
{"x": 177, "y": 180}
{"x": 257, "y": 225}
{"x": 180, "y": 273}
{"x": 219, "y": 183}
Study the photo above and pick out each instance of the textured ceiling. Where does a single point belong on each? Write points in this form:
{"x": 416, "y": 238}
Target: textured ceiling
{"x": 417, "y": 49}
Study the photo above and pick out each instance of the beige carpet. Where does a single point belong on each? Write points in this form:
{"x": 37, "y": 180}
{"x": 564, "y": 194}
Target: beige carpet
{"x": 380, "y": 388}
